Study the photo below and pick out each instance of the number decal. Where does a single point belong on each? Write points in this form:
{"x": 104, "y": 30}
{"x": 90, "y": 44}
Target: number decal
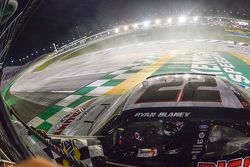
{"x": 191, "y": 92}
{"x": 157, "y": 93}
{"x": 193, "y": 89}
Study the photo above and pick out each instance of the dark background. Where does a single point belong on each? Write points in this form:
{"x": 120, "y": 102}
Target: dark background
{"x": 56, "y": 20}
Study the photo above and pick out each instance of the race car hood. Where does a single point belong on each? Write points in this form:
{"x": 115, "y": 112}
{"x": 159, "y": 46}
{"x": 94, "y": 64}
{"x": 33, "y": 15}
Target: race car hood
{"x": 81, "y": 121}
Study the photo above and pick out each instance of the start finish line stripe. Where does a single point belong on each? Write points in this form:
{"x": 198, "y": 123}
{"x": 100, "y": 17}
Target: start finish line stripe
{"x": 139, "y": 77}
{"x": 55, "y": 113}
{"x": 241, "y": 57}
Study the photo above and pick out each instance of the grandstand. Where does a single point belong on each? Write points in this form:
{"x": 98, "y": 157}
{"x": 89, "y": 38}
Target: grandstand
{"x": 158, "y": 23}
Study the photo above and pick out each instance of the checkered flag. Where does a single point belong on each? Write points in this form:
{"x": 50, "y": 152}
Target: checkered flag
{"x": 88, "y": 151}
{"x": 91, "y": 152}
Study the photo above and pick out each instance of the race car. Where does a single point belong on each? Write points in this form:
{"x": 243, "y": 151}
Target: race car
{"x": 170, "y": 120}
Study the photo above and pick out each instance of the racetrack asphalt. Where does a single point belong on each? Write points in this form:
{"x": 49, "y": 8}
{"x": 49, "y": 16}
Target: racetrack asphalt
{"x": 36, "y": 91}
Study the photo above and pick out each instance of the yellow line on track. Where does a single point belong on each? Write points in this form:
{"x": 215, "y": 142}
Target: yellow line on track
{"x": 139, "y": 77}
{"x": 241, "y": 57}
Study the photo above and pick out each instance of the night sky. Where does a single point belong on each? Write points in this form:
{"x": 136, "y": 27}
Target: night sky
{"x": 56, "y": 20}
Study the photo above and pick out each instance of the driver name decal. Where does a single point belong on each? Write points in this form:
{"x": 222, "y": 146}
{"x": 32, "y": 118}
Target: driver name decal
{"x": 162, "y": 114}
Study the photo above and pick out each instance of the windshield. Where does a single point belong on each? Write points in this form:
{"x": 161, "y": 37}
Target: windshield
{"x": 88, "y": 83}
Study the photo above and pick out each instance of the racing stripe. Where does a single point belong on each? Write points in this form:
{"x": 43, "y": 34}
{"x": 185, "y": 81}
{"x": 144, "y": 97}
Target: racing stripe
{"x": 134, "y": 80}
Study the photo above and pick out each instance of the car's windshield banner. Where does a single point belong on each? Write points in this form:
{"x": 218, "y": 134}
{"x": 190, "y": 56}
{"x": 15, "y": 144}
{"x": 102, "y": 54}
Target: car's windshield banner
{"x": 219, "y": 114}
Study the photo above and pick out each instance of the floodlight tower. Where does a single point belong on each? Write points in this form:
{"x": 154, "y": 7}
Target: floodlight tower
{"x": 55, "y": 49}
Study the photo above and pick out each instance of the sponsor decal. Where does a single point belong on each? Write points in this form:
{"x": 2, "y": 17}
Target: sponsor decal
{"x": 68, "y": 121}
{"x": 201, "y": 135}
{"x": 65, "y": 122}
{"x": 162, "y": 114}
{"x": 199, "y": 143}
{"x": 147, "y": 152}
{"x": 138, "y": 136}
{"x": 238, "y": 162}
{"x": 203, "y": 126}
{"x": 174, "y": 151}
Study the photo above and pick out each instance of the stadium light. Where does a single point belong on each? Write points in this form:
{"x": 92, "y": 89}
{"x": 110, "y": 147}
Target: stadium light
{"x": 117, "y": 30}
{"x": 157, "y": 21}
{"x": 182, "y": 19}
{"x": 125, "y": 28}
{"x": 146, "y": 23}
{"x": 27, "y": 56}
{"x": 242, "y": 23}
{"x": 135, "y": 25}
{"x": 195, "y": 18}
{"x": 169, "y": 20}
{"x": 12, "y": 61}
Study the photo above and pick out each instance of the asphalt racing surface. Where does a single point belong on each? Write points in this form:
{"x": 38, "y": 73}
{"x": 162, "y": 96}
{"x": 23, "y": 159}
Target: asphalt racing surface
{"x": 43, "y": 97}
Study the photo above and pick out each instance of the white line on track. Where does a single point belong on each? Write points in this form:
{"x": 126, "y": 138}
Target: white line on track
{"x": 62, "y": 91}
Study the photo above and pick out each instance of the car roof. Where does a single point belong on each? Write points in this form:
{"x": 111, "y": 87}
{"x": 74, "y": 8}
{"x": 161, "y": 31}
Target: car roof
{"x": 183, "y": 90}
